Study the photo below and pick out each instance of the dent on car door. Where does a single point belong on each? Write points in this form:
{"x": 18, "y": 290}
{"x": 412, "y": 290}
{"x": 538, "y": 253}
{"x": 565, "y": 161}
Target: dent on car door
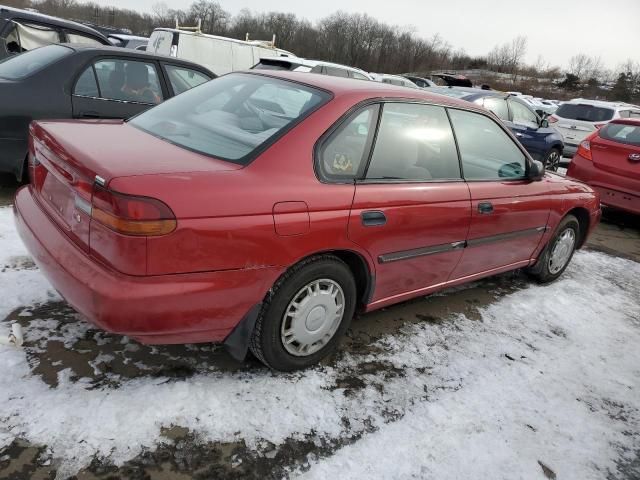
{"x": 116, "y": 88}
{"x": 509, "y": 213}
{"x": 411, "y": 209}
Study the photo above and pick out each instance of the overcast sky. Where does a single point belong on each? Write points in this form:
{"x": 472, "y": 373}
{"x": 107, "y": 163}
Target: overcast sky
{"x": 556, "y": 29}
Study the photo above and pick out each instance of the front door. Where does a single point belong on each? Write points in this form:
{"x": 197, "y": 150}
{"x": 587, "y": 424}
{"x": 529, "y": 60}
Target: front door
{"x": 116, "y": 88}
{"x": 509, "y": 213}
{"x": 411, "y": 208}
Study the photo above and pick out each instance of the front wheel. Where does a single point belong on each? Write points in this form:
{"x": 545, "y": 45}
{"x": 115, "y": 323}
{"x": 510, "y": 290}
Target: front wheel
{"x": 552, "y": 160}
{"x": 556, "y": 256}
{"x": 305, "y": 314}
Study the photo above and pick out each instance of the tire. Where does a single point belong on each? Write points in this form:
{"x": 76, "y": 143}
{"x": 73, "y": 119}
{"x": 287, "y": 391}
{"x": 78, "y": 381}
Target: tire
{"x": 545, "y": 271}
{"x": 552, "y": 160}
{"x": 276, "y": 322}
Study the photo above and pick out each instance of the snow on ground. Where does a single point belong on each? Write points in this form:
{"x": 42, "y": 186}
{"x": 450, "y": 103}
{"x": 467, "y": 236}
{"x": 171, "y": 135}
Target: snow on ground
{"x": 551, "y": 374}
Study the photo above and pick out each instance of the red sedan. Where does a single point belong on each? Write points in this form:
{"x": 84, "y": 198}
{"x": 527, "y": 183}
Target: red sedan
{"x": 262, "y": 209}
{"x": 609, "y": 161}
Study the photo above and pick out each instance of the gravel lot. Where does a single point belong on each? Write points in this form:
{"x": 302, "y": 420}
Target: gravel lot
{"x": 497, "y": 379}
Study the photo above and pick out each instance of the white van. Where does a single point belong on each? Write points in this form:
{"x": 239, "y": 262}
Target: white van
{"x": 219, "y": 54}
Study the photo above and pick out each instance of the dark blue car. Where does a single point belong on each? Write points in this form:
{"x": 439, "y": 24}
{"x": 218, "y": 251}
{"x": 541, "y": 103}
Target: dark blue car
{"x": 544, "y": 143}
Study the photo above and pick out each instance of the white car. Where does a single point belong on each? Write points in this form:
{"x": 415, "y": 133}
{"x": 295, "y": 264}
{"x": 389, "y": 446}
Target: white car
{"x": 219, "y": 54}
{"x": 295, "y": 64}
{"x": 578, "y": 118}
{"x": 394, "y": 80}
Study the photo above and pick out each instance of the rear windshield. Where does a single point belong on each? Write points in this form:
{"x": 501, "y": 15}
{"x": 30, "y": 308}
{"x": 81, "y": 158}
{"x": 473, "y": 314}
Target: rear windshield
{"x": 27, "y": 63}
{"x": 233, "y": 117}
{"x": 621, "y": 133}
{"x": 586, "y": 113}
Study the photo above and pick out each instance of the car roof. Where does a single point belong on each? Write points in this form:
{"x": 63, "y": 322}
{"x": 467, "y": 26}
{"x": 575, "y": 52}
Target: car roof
{"x": 345, "y": 87}
{"x": 307, "y": 62}
{"x": 109, "y": 50}
{"x": 601, "y": 103}
{"x": 10, "y": 13}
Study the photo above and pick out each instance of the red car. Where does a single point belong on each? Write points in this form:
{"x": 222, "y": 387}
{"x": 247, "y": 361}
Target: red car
{"x": 262, "y": 209}
{"x": 609, "y": 161}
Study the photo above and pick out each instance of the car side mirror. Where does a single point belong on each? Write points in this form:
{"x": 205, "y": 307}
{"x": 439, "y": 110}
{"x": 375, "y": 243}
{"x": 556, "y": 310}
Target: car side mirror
{"x": 544, "y": 123}
{"x": 536, "y": 171}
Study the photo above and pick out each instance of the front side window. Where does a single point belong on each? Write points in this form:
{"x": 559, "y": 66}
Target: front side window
{"x": 498, "y": 106}
{"x": 342, "y": 154}
{"x": 130, "y": 81}
{"x": 21, "y": 66}
{"x": 522, "y": 115}
{"x": 183, "y": 79}
{"x": 414, "y": 142}
{"x": 231, "y": 117}
{"x": 486, "y": 151}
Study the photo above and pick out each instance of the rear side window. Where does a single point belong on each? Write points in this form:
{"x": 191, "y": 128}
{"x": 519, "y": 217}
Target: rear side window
{"x": 414, "y": 142}
{"x": 585, "y": 113}
{"x": 130, "y": 81}
{"x": 522, "y": 115}
{"x": 232, "y": 117}
{"x": 621, "y": 133}
{"x": 183, "y": 79}
{"x": 342, "y": 154}
{"x": 21, "y": 66}
{"x": 486, "y": 151}
{"x": 497, "y": 106}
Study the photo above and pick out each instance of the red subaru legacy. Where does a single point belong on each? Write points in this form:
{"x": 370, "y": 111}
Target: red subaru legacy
{"x": 609, "y": 161}
{"x": 262, "y": 209}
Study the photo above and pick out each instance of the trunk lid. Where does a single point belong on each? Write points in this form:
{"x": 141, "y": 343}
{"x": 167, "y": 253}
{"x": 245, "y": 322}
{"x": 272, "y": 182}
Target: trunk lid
{"x": 67, "y": 158}
{"x": 616, "y": 149}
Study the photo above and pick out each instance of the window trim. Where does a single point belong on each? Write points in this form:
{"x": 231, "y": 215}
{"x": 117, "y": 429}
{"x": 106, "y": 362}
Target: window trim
{"x": 382, "y": 100}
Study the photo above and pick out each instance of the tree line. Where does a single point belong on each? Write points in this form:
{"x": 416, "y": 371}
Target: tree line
{"x": 362, "y": 41}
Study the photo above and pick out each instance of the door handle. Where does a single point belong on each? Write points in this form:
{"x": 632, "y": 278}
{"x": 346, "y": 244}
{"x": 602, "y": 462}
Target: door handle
{"x": 485, "y": 207}
{"x": 90, "y": 114}
{"x": 373, "y": 218}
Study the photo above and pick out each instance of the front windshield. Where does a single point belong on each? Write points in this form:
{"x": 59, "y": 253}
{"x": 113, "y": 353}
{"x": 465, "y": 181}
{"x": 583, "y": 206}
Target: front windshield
{"x": 231, "y": 117}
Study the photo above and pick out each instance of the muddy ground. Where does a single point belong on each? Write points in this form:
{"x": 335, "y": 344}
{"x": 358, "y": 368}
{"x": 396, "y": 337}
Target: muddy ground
{"x": 107, "y": 359}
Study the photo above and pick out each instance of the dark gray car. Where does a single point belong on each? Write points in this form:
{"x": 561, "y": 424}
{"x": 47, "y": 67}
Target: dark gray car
{"x": 76, "y": 81}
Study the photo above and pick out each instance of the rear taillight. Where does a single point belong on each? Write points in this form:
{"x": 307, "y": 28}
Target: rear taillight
{"x": 552, "y": 119}
{"x": 584, "y": 150}
{"x": 130, "y": 214}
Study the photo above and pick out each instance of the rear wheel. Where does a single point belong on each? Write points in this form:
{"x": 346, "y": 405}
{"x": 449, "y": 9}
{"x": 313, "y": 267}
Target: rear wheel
{"x": 558, "y": 253}
{"x": 552, "y": 160}
{"x": 305, "y": 314}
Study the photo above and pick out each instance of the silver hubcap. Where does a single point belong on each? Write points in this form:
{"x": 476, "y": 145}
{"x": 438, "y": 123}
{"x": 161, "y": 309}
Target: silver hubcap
{"x": 553, "y": 161}
{"x": 312, "y": 317}
{"x": 562, "y": 250}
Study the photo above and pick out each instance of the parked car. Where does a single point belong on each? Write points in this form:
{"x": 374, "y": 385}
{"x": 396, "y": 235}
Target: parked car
{"x": 79, "y": 81}
{"x": 396, "y": 80}
{"x": 23, "y": 30}
{"x": 263, "y": 209}
{"x": 543, "y": 142}
{"x": 128, "y": 41}
{"x": 577, "y": 119}
{"x": 452, "y": 80}
{"x": 219, "y": 54}
{"x": 295, "y": 64}
{"x": 420, "y": 81}
{"x": 609, "y": 161}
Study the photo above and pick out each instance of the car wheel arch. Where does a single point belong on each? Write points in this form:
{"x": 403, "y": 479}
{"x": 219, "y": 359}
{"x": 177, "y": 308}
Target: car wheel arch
{"x": 582, "y": 215}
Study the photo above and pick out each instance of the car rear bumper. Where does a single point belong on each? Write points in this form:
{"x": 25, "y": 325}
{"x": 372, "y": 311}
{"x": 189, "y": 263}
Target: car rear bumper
{"x": 181, "y": 308}
{"x": 615, "y": 191}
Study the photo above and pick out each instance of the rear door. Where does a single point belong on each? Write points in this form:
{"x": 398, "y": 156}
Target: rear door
{"x": 509, "y": 213}
{"x": 411, "y": 208}
{"x": 116, "y": 88}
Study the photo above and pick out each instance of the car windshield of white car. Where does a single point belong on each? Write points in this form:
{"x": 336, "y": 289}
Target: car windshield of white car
{"x": 233, "y": 117}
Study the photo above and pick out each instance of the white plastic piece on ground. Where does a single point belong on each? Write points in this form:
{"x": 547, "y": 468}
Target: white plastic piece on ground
{"x": 14, "y": 338}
